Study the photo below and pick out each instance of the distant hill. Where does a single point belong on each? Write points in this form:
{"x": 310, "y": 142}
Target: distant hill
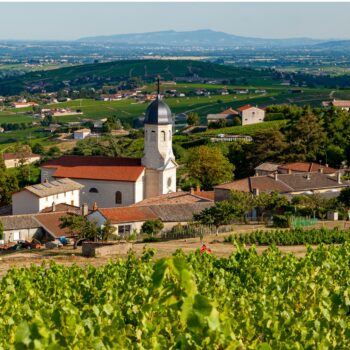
{"x": 334, "y": 45}
{"x": 97, "y": 74}
{"x": 203, "y": 37}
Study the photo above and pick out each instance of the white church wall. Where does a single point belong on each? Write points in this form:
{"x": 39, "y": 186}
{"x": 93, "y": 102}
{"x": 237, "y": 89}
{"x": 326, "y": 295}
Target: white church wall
{"x": 106, "y": 195}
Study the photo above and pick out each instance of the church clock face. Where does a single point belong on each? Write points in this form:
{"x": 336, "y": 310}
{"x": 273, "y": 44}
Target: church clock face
{"x": 169, "y": 181}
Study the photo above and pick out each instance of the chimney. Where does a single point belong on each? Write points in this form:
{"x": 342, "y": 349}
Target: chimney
{"x": 289, "y": 171}
{"x": 339, "y": 177}
{"x": 84, "y": 209}
{"x": 320, "y": 170}
{"x": 53, "y": 206}
{"x": 94, "y": 207}
{"x": 308, "y": 176}
{"x": 198, "y": 188}
{"x": 179, "y": 189}
{"x": 256, "y": 192}
{"x": 275, "y": 175}
{"x": 192, "y": 190}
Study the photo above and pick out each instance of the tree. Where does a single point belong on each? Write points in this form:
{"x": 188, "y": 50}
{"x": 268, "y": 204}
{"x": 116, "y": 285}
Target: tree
{"x": 268, "y": 146}
{"x": 107, "y": 231}
{"x": 344, "y": 197}
{"x": 269, "y": 202}
{"x": 152, "y": 227}
{"x": 38, "y": 149}
{"x": 209, "y": 167}
{"x": 193, "y": 118}
{"x": 219, "y": 214}
{"x": 8, "y": 185}
{"x": 306, "y": 136}
{"x": 241, "y": 203}
{"x": 81, "y": 227}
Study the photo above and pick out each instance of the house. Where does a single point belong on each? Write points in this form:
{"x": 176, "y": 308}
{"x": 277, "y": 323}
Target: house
{"x": 113, "y": 181}
{"x": 303, "y": 167}
{"x": 2, "y": 129}
{"x": 228, "y": 115}
{"x": 343, "y": 104}
{"x": 129, "y": 219}
{"x": 23, "y": 104}
{"x": 35, "y": 198}
{"x": 42, "y": 227}
{"x": 81, "y": 134}
{"x": 296, "y": 167}
{"x": 251, "y": 115}
{"x": 287, "y": 184}
{"x": 19, "y": 228}
{"x": 13, "y": 160}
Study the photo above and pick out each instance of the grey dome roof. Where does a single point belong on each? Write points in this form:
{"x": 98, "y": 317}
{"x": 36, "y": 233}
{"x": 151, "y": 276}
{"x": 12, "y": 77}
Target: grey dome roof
{"x": 158, "y": 112}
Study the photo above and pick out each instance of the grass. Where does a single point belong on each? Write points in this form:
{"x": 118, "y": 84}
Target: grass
{"x": 246, "y": 129}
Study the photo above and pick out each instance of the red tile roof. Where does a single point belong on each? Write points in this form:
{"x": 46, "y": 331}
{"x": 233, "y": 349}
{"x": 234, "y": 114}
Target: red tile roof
{"x": 229, "y": 111}
{"x": 307, "y": 167}
{"x": 205, "y": 194}
{"x": 128, "y": 214}
{"x": 51, "y": 223}
{"x": 97, "y": 168}
{"x": 243, "y": 108}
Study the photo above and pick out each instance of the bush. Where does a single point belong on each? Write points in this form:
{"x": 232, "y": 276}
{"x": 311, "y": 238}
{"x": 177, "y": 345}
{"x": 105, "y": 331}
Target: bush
{"x": 295, "y": 236}
{"x": 151, "y": 239}
{"x": 283, "y": 221}
{"x": 151, "y": 227}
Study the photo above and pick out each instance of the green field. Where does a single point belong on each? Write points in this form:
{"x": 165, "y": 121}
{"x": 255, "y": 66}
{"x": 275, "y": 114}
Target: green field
{"x": 246, "y": 129}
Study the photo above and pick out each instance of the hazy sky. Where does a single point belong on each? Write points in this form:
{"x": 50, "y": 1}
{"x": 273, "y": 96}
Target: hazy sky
{"x": 67, "y": 21}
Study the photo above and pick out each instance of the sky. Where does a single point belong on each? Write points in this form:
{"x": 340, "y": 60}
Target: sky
{"x": 70, "y": 21}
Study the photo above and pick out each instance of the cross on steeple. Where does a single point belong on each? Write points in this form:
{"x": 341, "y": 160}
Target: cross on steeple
{"x": 158, "y": 85}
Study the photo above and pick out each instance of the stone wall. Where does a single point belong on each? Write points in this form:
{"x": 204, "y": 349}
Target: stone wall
{"x": 97, "y": 249}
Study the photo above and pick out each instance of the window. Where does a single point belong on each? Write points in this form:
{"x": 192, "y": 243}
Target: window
{"x": 169, "y": 181}
{"x": 16, "y": 236}
{"x": 93, "y": 190}
{"x": 118, "y": 197}
{"x": 163, "y": 135}
{"x": 153, "y": 135}
{"x": 124, "y": 230}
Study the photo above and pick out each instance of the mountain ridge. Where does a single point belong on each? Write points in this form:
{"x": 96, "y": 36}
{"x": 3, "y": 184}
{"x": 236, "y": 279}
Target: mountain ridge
{"x": 201, "y": 37}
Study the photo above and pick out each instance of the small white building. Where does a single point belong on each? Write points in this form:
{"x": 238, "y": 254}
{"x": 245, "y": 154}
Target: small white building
{"x": 23, "y": 104}
{"x": 35, "y": 198}
{"x": 251, "y": 115}
{"x": 81, "y": 134}
{"x": 13, "y": 160}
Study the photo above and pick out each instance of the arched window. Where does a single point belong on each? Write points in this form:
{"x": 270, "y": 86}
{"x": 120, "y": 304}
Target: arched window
{"x": 118, "y": 197}
{"x": 163, "y": 135}
{"x": 93, "y": 190}
{"x": 153, "y": 135}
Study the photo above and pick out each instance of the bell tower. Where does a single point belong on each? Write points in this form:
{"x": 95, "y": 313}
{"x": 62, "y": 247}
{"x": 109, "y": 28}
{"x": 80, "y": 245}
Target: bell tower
{"x": 158, "y": 159}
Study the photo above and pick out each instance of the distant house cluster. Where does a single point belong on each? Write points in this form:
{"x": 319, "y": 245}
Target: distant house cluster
{"x": 247, "y": 115}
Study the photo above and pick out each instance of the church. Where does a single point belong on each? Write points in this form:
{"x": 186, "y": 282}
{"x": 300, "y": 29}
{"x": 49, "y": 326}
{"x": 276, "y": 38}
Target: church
{"x": 113, "y": 182}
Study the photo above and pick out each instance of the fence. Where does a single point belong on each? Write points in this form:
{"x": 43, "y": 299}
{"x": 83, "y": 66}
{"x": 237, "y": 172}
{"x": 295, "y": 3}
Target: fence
{"x": 193, "y": 230}
{"x": 299, "y": 222}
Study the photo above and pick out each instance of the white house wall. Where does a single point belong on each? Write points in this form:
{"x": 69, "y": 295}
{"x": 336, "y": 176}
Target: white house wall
{"x": 24, "y": 234}
{"x": 253, "y": 115}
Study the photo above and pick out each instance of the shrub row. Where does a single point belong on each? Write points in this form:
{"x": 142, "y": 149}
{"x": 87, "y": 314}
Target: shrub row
{"x": 292, "y": 237}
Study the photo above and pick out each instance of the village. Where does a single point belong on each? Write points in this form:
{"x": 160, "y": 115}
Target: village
{"x": 132, "y": 198}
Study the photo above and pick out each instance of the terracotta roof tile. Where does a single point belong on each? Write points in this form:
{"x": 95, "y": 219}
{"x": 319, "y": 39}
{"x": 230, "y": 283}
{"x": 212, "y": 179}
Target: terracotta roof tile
{"x": 205, "y": 194}
{"x": 307, "y": 167}
{"x": 97, "y": 168}
{"x": 51, "y": 223}
{"x": 128, "y": 214}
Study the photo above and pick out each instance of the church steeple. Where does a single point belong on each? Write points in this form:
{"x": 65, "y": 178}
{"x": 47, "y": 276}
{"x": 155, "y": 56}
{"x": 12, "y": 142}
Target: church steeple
{"x": 158, "y": 156}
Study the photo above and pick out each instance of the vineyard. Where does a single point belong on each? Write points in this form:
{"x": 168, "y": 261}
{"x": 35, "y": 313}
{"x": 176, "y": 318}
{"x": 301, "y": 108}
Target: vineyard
{"x": 297, "y": 236}
{"x": 247, "y": 301}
